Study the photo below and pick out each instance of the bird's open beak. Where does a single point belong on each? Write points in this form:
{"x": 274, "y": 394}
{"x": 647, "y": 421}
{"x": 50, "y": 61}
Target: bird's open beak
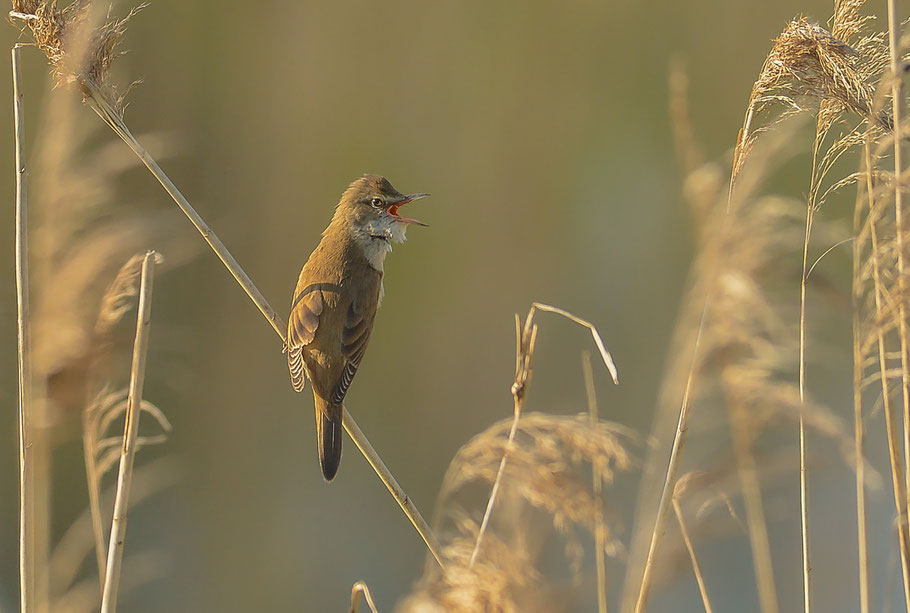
{"x": 393, "y": 210}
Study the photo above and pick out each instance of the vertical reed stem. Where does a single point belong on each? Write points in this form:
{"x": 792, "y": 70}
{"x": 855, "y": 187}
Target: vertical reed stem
{"x": 897, "y": 113}
{"x": 755, "y": 513}
{"x": 666, "y": 494}
{"x": 27, "y": 568}
{"x": 94, "y": 502}
{"x": 891, "y": 426}
{"x": 130, "y": 434}
{"x": 858, "y": 424}
{"x": 803, "y": 471}
{"x": 600, "y": 531}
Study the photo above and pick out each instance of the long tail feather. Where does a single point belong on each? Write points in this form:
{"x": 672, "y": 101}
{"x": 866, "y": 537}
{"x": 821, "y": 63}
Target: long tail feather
{"x": 328, "y": 437}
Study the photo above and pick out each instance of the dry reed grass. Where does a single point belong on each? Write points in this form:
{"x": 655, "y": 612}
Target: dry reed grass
{"x": 535, "y": 464}
{"x": 853, "y": 92}
{"x": 880, "y": 330}
{"x": 75, "y": 253}
{"x": 808, "y": 67}
{"x": 130, "y": 442}
{"x": 737, "y": 347}
{"x": 745, "y": 345}
{"x": 544, "y": 488}
{"x": 808, "y": 64}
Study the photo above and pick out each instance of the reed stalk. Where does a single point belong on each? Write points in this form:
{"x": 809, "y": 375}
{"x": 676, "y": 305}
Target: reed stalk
{"x": 755, "y": 513}
{"x": 891, "y": 425}
{"x": 27, "y": 566}
{"x": 858, "y": 424}
{"x": 803, "y": 469}
{"x": 897, "y": 101}
{"x": 361, "y": 591}
{"x": 525, "y": 341}
{"x": 130, "y": 434}
{"x": 600, "y": 533}
{"x": 672, "y": 474}
{"x": 699, "y": 577}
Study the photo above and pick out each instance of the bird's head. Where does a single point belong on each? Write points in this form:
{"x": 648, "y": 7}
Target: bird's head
{"x": 369, "y": 208}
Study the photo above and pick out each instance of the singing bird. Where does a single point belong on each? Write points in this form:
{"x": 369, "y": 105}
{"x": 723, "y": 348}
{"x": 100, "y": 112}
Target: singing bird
{"x": 335, "y": 302}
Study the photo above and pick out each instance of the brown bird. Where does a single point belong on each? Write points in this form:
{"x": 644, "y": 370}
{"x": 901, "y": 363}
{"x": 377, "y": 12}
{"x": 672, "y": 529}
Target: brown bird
{"x": 335, "y": 302}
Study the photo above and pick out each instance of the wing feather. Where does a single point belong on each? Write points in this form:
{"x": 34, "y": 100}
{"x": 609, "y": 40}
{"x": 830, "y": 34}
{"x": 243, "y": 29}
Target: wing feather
{"x": 355, "y": 337}
{"x": 304, "y": 321}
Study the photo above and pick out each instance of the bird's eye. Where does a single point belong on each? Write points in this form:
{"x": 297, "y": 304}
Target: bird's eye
{"x": 377, "y": 202}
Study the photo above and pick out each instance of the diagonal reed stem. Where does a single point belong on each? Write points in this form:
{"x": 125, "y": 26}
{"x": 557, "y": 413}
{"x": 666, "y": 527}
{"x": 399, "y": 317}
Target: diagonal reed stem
{"x": 740, "y": 152}
{"x": 673, "y": 463}
{"x": 104, "y": 110}
{"x": 755, "y": 512}
{"x": 130, "y": 433}
{"x": 525, "y": 341}
{"x": 385, "y": 475}
{"x": 696, "y": 567}
{"x": 27, "y": 570}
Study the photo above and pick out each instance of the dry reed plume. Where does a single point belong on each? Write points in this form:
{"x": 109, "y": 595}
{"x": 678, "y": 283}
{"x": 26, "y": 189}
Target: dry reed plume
{"x": 535, "y": 464}
{"x": 808, "y": 68}
{"x": 808, "y": 64}
{"x": 80, "y": 45}
{"x": 544, "y": 481}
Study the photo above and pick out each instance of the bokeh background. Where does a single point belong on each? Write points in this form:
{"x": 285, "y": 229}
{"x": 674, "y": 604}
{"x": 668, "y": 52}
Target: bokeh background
{"x": 542, "y": 131}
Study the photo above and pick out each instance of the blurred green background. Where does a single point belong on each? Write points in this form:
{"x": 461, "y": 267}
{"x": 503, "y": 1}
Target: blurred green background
{"x": 542, "y": 131}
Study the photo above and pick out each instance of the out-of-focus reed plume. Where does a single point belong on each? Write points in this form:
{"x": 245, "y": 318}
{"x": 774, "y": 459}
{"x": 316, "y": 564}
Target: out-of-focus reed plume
{"x": 83, "y": 233}
{"x": 744, "y": 360}
{"x": 545, "y": 480}
{"x": 80, "y": 245}
{"x": 75, "y": 593}
{"x": 733, "y": 324}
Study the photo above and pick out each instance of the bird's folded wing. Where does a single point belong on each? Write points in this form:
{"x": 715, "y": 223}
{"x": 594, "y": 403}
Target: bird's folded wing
{"x": 302, "y": 327}
{"x": 354, "y": 338}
